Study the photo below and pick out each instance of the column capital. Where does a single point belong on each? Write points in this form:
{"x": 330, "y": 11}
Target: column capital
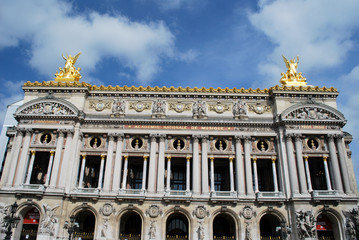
{"x": 28, "y": 131}
{"x": 211, "y": 158}
{"x": 238, "y": 138}
{"x": 32, "y": 152}
{"x": 120, "y": 136}
{"x": 168, "y": 157}
{"x": 288, "y": 136}
{"x": 204, "y": 138}
{"x": 247, "y": 139}
{"x": 254, "y": 158}
{"x": 52, "y": 153}
{"x": 83, "y": 156}
{"x": 125, "y": 157}
{"x": 188, "y": 158}
{"x": 231, "y": 158}
{"x": 111, "y": 136}
{"x": 297, "y": 136}
{"x": 331, "y": 136}
{"x": 274, "y": 158}
{"x": 145, "y": 157}
{"x": 162, "y": 137}
{"x": 325, "y": 158}
{"x": 153, "y": 137}
{"x": 103, "y": 156}
{"x": 196, "y": 137}
{"x": 305, "y": 157}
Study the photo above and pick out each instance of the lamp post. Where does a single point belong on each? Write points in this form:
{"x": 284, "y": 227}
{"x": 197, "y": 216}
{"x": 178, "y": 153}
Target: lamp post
{"x": 284, "y": 230}
{"x": 71, "y": 226}
{"x": 11, "y": 221}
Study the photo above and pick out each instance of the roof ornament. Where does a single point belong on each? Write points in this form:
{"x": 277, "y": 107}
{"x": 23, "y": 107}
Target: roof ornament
{"x": 292, "y": 77}
{"x": 69, "y": 73}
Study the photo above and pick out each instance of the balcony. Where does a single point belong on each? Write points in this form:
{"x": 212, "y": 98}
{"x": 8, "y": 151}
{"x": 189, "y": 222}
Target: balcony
{"x": 178, "y": 195}
{"x": 318, "y": 195}
{"x": 138, "y": 194}
{"x": 223, "y": 196}
{"x": 270, "y": 196}
{"x": 85, "y": 193}
{"x": 36, "y": 189}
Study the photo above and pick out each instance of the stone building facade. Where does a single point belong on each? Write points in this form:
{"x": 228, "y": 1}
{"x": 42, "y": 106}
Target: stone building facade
{"x": 180, "y": 163}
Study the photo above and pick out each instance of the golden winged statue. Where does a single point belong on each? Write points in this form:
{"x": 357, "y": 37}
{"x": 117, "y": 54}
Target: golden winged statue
{"x": 292, "y": 77}
{"x": 69, "y": 73}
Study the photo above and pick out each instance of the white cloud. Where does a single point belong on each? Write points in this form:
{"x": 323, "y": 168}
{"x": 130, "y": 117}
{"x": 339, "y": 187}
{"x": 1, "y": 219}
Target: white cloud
{"x": 319, "y": 31}
{"x": 13, "y": 93}
{"x": 52, "y": 28}
{"x": 176, "y": 4}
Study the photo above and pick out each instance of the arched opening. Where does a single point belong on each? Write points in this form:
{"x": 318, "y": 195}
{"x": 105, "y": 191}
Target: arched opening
{"x": 268, "y": 227}
{"x": 30, "y": 224}
{"x": 130, "y": 226}
{"x": 177, "y": 227}
{"x": 327, "y": 227}
{"x": 87, "y": 221}
{"x": 224, "y": 227}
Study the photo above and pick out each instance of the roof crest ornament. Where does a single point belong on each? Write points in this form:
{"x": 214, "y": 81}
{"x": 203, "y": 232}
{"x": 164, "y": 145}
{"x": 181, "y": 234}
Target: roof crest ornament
{"x": 69, "y": 73}
{"x": 292, "y": 77}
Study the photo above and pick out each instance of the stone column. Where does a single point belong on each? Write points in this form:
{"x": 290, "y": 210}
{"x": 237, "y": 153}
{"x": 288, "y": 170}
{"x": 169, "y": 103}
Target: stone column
{"x": 118, "y": 164}
{"x": 240, "y": 181}
{"x": 14, "y": 158}
{"x": 300, "y": 163}
{"x": 57, "y": 159}
{"x": 49, "y": 168}
{"x": 66, "y": 159}
{"x": 231, "y": 173}
{"x": 307, "y": 172}
{"x": 212, "y": 173}
{"x": 256, "y": 189}
{"x": 168, "y": 177}
{"x": 196, "y": 171}
{"x": 188, "y": 174}
{"x": 82, "y": 171}
{"x": 109, "y": 164}
{"x": 338, "y": 185}
{"x": 20, "y": 172}
{"x": 343, "y": 164}
{"x": 31, "y": 165}
{"x": 274, "y": 170}
{"x": 102, "y": 165}
{"x": 291, "y": 165}
{"x": 125, "y": 169}
{"x": 327, "y": 176}
{"x": 204, "y": 165}
{"x": 161, "y": 165}
{"x": 144, "y": 172}
{"x": 73, "y": 162}
{"x": 152, "y": 165}
{"x": 247, "y": 163}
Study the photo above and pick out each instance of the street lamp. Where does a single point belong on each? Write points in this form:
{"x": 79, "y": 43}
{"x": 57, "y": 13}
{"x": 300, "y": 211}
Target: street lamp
{"x": 71, "y": 226}
{"x": 284, "y": 230}
{"x": 11, "y": 221}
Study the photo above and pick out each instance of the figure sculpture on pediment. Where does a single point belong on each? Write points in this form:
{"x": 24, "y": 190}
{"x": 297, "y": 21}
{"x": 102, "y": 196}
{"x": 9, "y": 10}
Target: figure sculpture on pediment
{"x": 240, "y": 108}
{"x": 199, "y": 108}
{"x": 119, "y": 106}
{"x": 159, "y": 107}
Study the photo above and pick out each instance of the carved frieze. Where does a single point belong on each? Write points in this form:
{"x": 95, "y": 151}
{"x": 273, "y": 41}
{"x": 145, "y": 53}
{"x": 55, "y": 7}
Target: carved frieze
{"x": 99, "y": 105}
{"x": 140, "y": 106}
{"x": 311, "y": 113}
{"x": 219, "y": 107}
{"x": 259, "y": 108}
{"x": 48, "y": 108}
{"x": 179, "y": 107}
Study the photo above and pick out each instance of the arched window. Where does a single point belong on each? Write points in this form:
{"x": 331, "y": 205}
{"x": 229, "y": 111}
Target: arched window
{"x": 327, "y": 227}
{"x": 87, "y": 221}
{"x": 268, "y": 227}
{"x": 30, "y": 224}
{"x": 130, "y": 226}
{"x": 177, "y": 227}
{"x": 224, "y": 227}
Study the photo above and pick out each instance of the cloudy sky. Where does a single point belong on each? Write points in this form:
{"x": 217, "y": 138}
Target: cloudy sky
{"x": 210, "y": 43}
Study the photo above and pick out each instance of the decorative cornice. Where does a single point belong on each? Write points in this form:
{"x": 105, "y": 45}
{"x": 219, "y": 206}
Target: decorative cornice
{"x": 179, "y": 89}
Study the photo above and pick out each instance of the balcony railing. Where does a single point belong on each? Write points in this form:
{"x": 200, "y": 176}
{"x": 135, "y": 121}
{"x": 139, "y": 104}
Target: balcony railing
{"x": 137, "y": 192}
{"x": 324, "y": 194}
{"x": 87, "y": 190}
{"x": 83, "y": 235}
{"x": 270, "y": 195}
{"x": 178, "y": 193}
{"x": 224, "y": 194}
{"x": 224, "y": 237}
{"x": 34, "y": 187}
{"x": 130, "y": 236}
{"x": 176, "y": 237}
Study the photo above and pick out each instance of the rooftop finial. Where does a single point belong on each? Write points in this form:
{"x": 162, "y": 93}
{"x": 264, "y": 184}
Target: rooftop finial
{"x": 69, "y": 73}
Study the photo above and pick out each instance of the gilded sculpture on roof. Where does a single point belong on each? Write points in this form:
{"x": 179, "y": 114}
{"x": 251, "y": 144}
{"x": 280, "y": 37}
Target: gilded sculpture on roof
{"x": 292, "y": 77}
{"x": 69, "y": 73}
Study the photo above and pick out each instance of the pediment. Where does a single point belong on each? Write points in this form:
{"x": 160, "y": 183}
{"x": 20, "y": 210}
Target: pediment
{"x": 48, "y": 107}
{"x": 312, "y": 112}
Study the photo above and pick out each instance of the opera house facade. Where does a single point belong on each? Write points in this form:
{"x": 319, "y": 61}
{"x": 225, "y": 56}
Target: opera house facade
{"x": 179, "y": 163}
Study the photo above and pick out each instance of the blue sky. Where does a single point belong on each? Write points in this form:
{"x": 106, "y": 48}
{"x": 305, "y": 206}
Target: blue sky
{"x": 208, "y": 43}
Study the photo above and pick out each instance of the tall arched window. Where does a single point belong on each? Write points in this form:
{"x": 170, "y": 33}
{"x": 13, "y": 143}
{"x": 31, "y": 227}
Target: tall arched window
{"x": 30, "y": 224}
{"x": 87, "y": 221}
{"x": 224, "y": 227}
{"x": 268, "y": 227}
{"x": 177, "y": 227}
{"x": 130, "y": 226}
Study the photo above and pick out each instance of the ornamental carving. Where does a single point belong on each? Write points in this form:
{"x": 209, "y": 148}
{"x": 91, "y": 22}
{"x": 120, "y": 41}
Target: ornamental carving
{"x": 100, "y": 105}
{"x": 199, "y": 109}
{"x": 153, "y": 211}
{"x": 49, "y": 220}
{"x": 179, "y": 107}
{"x": 306, "y": 224}
{"x": 311, "y": 113}
{"x": 200, "y": 231}
{"x": 107, "y": 209}
{"x": 152, "y": 231}
{"x": 259, "y": 108}
{"x": 4, "y": 211}
{"x": 159, "y": 107}
{"x": 69, "y": 73}
{"x": 119, "y": 107}
{"x": 292, "y": 77}
{"x": 247, "y": 212}
{"x": 352, "y": 223}
{"x": 219, "y": 107}
{"x": 240, "y": 108}
{"x": 200, "y": 212}
{"x": 140, "y": 106}
{"x": 48, "y": 108}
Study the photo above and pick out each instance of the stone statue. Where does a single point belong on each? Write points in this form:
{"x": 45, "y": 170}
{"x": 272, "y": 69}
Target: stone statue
{"x": 200, "y": 231}
{"x": 159, "y": 107}
{"x": 248, "y": 231}
{"x": 199, "y": 109}
{"x": 47, "y": 224}
{"x": 240, "y": 108}
{"x": 306, "y": 224}
{"x": 352, "y": 223}
{"x": 152, "y": 232}
{"x": 119, "y": 106}
{"x": 4, "y": 210}
{"x": 69, "y": 73}
{"x": 292, "y": 77}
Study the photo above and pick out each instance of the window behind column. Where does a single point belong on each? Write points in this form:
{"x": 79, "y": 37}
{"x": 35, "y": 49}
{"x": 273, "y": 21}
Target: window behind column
{"x": 39, "y": 169}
